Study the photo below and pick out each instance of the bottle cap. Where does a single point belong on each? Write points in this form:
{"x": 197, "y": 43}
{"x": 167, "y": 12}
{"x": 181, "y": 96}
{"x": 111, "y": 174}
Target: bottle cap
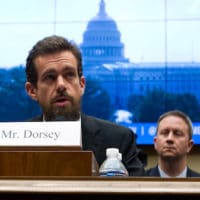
{"x": 112, "y": 152}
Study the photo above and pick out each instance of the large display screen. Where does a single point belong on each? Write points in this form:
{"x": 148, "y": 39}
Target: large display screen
{"x": 140, "y": 57}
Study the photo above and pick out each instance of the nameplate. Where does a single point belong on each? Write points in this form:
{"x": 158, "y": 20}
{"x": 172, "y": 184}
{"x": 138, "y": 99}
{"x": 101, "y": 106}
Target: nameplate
{"x": 58, "y": 133}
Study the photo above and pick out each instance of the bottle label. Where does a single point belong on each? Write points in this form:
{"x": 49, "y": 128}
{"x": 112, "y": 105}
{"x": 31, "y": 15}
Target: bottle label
{"x": 112, "y": 173}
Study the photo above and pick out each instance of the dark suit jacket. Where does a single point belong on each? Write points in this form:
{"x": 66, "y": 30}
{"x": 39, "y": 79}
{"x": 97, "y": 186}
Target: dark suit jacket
{"x": 97, "y": 135}
{"x": 155, "y": 172}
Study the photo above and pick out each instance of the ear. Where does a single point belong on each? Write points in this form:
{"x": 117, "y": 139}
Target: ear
{"x": 82, "y": 84}
{"x": 190, "y": 145}
{"x": 31, "y": 90}
{"x": 155, "y": 142}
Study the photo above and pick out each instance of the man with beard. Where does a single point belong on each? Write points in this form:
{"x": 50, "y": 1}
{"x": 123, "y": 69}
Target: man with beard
{"x": 55, "y": 80}
{"x": 173, "y": 142}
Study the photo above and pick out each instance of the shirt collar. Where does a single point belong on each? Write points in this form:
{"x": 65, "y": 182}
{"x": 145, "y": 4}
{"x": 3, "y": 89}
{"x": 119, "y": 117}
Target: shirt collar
{"x": 183, "y": 174}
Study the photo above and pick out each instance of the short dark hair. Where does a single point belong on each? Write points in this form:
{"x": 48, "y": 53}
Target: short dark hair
{"x": 48, "y": 45}
{"x": 180, "y": 114}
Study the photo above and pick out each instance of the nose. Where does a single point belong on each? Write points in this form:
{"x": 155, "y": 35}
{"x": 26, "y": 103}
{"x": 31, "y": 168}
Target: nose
{"x": 170, "y": 136}
{"x": 61, "y": 85}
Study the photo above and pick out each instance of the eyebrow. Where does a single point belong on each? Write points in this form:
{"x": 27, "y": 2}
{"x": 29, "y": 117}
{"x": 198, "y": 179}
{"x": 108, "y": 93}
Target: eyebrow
{"x": 49, "y": 71}
{"x": 65, "y": 69}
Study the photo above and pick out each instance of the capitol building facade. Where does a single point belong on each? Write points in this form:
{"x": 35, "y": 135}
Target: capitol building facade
{"x": 104, "y": 60}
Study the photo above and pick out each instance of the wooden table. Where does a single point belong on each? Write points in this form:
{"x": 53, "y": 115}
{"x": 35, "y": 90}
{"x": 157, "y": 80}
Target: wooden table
{"x": 98, "y": 188}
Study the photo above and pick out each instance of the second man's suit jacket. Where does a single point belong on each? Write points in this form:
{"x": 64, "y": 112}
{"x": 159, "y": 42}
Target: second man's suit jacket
{"x": 154, "y": 171}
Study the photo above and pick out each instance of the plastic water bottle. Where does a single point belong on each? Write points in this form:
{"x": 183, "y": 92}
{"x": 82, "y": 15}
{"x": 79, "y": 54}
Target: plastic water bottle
{"x": 113, "y": 166}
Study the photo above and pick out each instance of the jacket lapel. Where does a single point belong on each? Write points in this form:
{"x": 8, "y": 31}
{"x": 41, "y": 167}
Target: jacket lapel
{"x": 91, "y": 137}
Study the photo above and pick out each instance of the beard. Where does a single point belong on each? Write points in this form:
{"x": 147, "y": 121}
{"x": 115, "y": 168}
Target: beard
{"x": 65, "y": 113}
